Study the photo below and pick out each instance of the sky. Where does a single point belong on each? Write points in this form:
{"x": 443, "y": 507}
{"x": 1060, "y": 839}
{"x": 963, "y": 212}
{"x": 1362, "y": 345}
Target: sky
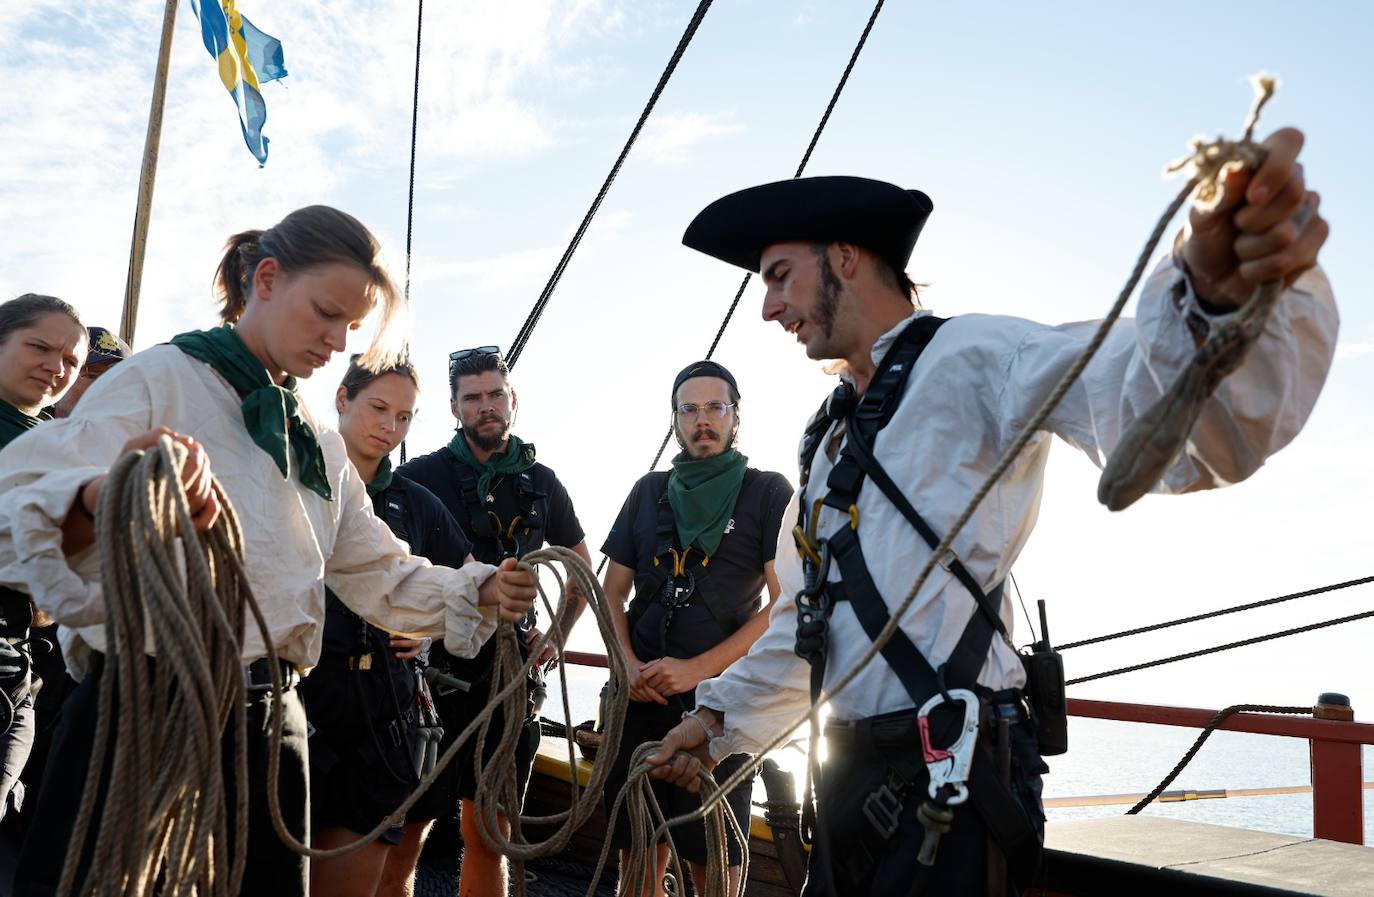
{"x": 1040, "y": 132}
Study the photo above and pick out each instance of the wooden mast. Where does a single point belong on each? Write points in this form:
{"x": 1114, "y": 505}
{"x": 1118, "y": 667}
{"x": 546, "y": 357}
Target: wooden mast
{"x": 129, "y": 318}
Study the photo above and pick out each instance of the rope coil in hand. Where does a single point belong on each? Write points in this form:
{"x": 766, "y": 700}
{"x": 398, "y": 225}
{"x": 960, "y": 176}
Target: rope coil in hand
{"x": 166, "y": 818}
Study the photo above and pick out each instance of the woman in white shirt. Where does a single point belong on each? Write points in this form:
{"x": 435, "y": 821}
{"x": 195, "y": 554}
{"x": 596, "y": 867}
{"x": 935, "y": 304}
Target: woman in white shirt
{"x": 290, "y": 294}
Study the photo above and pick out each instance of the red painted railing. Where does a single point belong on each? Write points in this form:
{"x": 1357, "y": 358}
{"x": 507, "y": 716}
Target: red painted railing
{"x": 1334, "y": 737}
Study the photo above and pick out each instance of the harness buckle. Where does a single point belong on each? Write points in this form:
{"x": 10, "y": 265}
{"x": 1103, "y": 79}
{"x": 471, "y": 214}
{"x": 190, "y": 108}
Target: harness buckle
{"x": 948, "y": 560}
{"x": 883, "y": 809}
{"x": 949, "y": 767}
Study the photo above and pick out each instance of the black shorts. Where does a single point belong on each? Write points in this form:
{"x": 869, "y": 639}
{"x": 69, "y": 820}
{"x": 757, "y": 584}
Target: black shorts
{"x": 272, "y": 868}
{"x": 650, "y": 722}
{"x": 459, "y": 780}
{"x": 361, "y": 766}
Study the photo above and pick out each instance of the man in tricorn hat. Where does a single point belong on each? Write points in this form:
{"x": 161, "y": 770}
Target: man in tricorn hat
{"x": 926, "y": 409}
{"x": 696, "y": 544}
{"x": 107, "y": 350}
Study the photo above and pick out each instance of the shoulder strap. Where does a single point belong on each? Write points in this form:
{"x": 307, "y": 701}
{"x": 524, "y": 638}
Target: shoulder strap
{"x": 395, "y": 502}
{"x": 869, "y": 465}
{"x": 474, "y": 505}
{"x": 532, "y": 505}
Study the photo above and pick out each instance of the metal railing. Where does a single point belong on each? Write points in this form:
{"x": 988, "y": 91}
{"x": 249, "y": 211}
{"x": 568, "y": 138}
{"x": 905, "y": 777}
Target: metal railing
{"x": 1334, "y": 738}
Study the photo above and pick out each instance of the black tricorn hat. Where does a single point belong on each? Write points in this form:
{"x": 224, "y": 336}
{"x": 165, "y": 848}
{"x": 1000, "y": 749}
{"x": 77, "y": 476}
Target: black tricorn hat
{"x": 876, "y": 215}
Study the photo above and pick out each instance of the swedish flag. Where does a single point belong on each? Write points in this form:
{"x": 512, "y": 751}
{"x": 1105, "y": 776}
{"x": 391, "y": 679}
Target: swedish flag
{"x": 247, "y": 59}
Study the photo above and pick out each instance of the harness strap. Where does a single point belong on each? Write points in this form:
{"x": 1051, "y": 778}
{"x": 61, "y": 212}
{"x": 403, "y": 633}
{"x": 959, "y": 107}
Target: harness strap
{"x": 671, "y": 562}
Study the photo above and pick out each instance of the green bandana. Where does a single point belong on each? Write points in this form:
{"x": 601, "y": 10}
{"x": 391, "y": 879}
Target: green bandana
{"x": 702, "y": 493}
{"x": 382, "y": 479}
{"x": 271, "y": 413}
{"x": 518, "y": 457}
{"x": 14, "y": 423}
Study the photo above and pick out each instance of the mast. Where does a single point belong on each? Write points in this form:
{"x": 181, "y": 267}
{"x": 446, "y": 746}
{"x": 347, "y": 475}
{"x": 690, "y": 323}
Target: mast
{"x": 129, "y": 317}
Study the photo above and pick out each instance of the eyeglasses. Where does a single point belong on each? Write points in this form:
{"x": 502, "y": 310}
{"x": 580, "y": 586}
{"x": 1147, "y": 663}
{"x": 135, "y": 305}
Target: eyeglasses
{"x": 712, "y": 410}
{"x": 469, "y": 353}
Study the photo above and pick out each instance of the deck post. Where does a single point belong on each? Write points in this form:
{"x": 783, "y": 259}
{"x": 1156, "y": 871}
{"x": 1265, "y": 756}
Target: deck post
{"x": 1337, "y": 779}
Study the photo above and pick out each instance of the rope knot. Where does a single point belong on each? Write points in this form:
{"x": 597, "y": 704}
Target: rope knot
{"x": 1209, "y": 160}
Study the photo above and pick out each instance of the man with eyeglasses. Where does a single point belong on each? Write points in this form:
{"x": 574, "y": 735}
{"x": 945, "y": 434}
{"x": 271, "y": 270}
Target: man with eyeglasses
{"x": 696, "y": 544}
{"x": 507, "y": 504}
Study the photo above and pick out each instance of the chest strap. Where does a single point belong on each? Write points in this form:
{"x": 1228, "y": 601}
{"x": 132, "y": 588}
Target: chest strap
{"x": 691, "y": 576}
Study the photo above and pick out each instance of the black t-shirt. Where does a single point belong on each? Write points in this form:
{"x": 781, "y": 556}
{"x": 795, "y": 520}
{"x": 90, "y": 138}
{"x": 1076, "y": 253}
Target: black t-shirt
{"x": 735, "y": 571}
{"x": 415, "y": 515}
{"x": 441, "y": 473}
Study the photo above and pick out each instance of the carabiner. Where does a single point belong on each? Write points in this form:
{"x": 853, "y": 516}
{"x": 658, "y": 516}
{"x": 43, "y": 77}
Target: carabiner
{"x": 950, "y": 765}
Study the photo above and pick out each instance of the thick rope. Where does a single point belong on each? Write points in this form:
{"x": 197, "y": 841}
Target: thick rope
{"x": 1267, "y": 637}
{"x": 1202, "y": 738}
{"x": 1155, "y": 627}
{"x": 165, "y": 816}
{"x": 532, "y": 320}
{"x": 414, "y": 140}
{"x": 643, "y": 810}
{"x": 1211, "y": 164}
{"x": 801, "y": 167}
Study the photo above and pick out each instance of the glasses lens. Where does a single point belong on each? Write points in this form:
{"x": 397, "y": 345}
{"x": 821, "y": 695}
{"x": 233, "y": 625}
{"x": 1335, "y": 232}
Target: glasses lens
{"x": 468, "y": 353}
{"x": 714, "y": 410}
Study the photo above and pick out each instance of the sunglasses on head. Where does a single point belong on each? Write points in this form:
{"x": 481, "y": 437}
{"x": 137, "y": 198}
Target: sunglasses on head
{"x": 469, "y": 353}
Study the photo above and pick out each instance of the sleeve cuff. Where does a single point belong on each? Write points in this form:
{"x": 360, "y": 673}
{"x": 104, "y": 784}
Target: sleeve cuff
{"x": 467, "y": 625}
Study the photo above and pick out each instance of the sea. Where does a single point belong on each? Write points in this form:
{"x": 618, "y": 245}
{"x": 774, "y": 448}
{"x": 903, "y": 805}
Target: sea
{"x": 1111, "y": 758}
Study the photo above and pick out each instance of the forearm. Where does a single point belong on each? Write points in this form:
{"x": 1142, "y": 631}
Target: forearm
{"x": 615, "y": 600}
{"x": 714, "y": 661}
{"x": 78, "y": 528}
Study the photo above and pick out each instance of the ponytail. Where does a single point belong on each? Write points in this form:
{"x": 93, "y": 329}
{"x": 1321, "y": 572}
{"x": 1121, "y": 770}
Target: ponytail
{"x": 234, "y": 276}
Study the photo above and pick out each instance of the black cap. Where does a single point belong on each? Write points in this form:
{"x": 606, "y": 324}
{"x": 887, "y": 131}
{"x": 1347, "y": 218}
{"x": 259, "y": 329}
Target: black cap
{"x": 702, "y": 369}
{"x": 105, "y": 346}
{"x": 876, "y": 215}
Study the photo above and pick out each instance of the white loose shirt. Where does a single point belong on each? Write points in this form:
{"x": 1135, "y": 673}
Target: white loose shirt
{"x": 978, "y": 382}
{"x": 296, "y": 542}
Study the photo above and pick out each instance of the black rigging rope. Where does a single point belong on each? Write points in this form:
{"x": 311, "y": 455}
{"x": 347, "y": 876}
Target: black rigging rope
{"x": 1218, "y": 613}
{"x": 1202, "y": 738}
{"x": 414, "y": 133}
{"x": 801, "y": 167}
{"x": 1226, "y": 647}
{"x": 526, "y": 329}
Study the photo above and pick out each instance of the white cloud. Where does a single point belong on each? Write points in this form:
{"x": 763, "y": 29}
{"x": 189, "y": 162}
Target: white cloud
{"x": 669, "y": 136}
{"x": 78, "y": 81}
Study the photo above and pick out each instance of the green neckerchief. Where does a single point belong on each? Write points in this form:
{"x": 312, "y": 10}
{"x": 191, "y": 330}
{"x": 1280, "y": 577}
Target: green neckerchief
{"x": 271, "y": 413}
{"x": 382, "y": 479}
{"x": 702, "y": 493}
{"x": 14, "y": 423}
{"x": 518, "y": 457}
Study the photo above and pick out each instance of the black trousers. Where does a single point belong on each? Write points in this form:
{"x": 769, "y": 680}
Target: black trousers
{"x": 272, "y": 867}
{"x": 849, "y": 857}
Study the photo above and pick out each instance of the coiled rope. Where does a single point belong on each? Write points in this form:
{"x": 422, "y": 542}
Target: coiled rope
{"x": 165, "y": 819}
{"x": 1206, "y": 164}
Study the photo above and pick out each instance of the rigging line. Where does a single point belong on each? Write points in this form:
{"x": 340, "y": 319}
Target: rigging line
{"x": 1219, "y": 613}
{"x": 414, "y": 133}
{"x": 801, "y": 167}
{"x": 1240, "y": 644}
{"x": 1025, "y": 610}
{"x": 1203, "y": 736}
{"x": 532, "y": 320}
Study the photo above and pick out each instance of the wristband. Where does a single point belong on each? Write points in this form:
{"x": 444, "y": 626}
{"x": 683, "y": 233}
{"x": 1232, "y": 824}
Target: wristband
{"x": 691, "y": 714}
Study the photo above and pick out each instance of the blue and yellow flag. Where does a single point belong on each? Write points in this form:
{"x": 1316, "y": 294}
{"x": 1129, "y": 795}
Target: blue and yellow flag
{"x": 247, "y": 59}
